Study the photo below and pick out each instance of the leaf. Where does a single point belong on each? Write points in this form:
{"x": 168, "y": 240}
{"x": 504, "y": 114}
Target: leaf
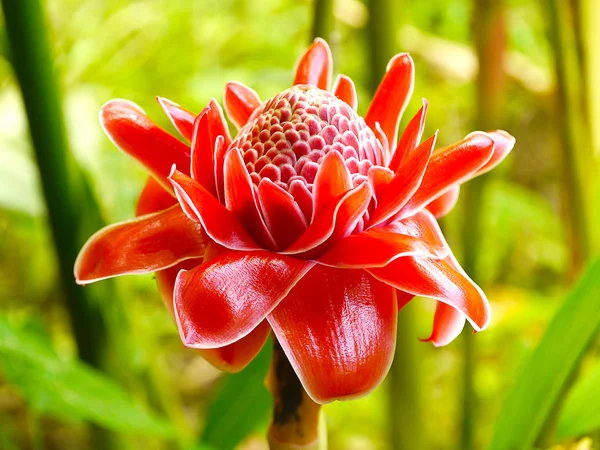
{"x": 241, "y": 406}
{"x": 70, "y": 389}
{"x": 581, "y": 412}
{"x": 551, "y": 365}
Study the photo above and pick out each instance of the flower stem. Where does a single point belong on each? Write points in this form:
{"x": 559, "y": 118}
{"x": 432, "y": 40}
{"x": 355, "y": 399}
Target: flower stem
{"x": 323, "y": 21}
{"x": 295, "y": 423}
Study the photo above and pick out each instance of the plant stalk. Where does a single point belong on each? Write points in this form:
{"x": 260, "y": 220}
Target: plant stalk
{"x": 323, "y": 21}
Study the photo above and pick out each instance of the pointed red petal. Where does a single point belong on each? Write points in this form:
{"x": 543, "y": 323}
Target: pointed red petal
{"x": 220, "y": 151}
{"x": 132, "y": 131}
{"x": 442, "y": 205}
{"x": 380, "y": 178}
{"x": 503, "y": 144}
{"x": 333, "y": 180}
{"x": 344, "y": 89}
{"x": 448, "y": 323}
{"x": 377, "y": 247}
{"x": 303, "y": 197}
{"x": 203, "y": 163}
{"x": 240, "y": 200}
{"x": 405, "y": 183}
{"x": 282, "y": 215}
{"x": 154, "y": 198}
{"x": 182, "y": 119}
{"x": 449, "y": 166}
{"x": 142, "y": 245}
{"x": 392, "y": 96}
{"x": 410, "y": 139}
{"x": 220, "y": 223}
{"x": 240, "y": 102}
{"x": 315, "y": 66}
{"x": 338, "y": 329}
{"x": 217, "y": 122}
{"x": 224, "y": 299}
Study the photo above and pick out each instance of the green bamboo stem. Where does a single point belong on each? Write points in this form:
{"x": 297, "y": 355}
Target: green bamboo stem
{"x": 323, "y": 19}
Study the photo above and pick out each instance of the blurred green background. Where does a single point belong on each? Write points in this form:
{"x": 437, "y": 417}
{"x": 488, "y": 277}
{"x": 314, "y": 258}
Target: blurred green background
{"x": 525, "y": 232}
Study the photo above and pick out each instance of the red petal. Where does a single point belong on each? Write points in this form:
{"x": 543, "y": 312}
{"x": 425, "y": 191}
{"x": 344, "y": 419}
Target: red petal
{"x": 220, "y": 223}
{"x": 154, "y": 198}
{"x": 336, "y": 220}
{"x": 423, "y": 226}
{"x": 338, "y": 329}
{"x": 203, "y": 162}
{"x": 442, "y": 205}
{"x": 220, "y": 151}
{"x": 240, "y": 102}
{"x": 410, "y": 139}
{"x": 377, "y": 247}
{"x": 344, "y": 89}
{"x": 218, "y": 124}
{"x": 182, "y": 119}
{"x": 333, "y": 180}
{"x": 380, "y": 178}
{"x": 132, "y": 131}
{"x": 315, "y": 66}
{"x": 449, "y": 166}
{"x": 240, "y": 200}
{"x": 224, "y": 299}
{"x": 282, "y": 215}
{"x": 503, "y": 144}
{"x": 441, "y": 280}
{"x": 142, "y": 245}
{"x": 392, "y": 96}
{"x": 303, "y": 197}
{"x": 405, "y": 183}
{"x": 448, "y": 323}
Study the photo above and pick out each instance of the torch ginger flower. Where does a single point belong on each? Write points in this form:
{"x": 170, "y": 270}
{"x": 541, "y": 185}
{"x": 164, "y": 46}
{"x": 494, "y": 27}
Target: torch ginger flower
{"x": 313, "y": 223}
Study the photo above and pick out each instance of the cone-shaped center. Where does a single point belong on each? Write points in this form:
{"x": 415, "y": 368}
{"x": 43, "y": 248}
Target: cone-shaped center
{"x": 288, "y": 136}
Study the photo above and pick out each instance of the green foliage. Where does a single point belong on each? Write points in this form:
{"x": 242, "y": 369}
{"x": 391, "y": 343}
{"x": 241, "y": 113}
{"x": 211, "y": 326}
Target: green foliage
{"x": 552, "y": 364}
{"x": 69, "y": 389}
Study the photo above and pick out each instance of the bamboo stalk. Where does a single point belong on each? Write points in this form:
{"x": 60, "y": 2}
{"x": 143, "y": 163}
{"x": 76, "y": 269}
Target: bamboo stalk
{"x": 323, "y": 19}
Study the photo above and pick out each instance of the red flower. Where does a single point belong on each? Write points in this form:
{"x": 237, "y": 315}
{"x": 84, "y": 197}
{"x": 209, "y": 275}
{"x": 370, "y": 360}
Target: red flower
{"x": 312, "y": 223}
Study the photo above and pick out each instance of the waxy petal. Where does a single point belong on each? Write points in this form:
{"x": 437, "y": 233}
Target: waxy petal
{"x": 182, "y": 119}
{"x": 333, "y": 180}
{"x": 203, "y": 158}
{"x": 410, "y": 139}
{"x": 377, "y": 247}
{"x": 240, "y": 200}
{"x": 220, "y": 151}
{"x": 380, "y": 178}
{"x": 503, "y": 144}
{"x": 282, "y": 215}
{"x": 443, "y": 204}
{"x": 227, "y": 297}
{"x": 142, "y": 245}
{"x": 405, "y": 183}
{"x": 338, "y": 330}
{"x": 218, "y": 222}
{"x": 132, "y": 131}
{"x": 154, "y": 198}
{"x": 448, "y": 323}
{"x": 315, "y": 66}
{"x": 344, "y": 89}
{"x": 392, "y": 96}
{"x": 449, "y": 166}
{"x": 240, "y": 102}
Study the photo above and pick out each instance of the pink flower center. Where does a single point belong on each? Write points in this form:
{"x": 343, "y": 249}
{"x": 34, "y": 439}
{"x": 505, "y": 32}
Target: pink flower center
{"x": 288, "y": 136}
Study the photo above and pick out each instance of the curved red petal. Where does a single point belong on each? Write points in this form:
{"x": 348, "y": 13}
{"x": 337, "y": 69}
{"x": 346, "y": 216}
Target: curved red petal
{"x": 303, "y": 197}
{"x": 344, "y": 89}
{"x": 380, "y": 178}
{"x": 333, "y": 179}
{"x": 450, "y": 166}
{"x": 336, "y": 220}
{"x": 226, "y": 298}
{"x": 218, "y": 124}
{"x": 141, "y": 245}
{"x": 203, "y": 158}
{"x": 220, "y": 151}
{"x": 442, "y": 280}
{"x": 219, "y": 223}
{"x": 338, "y": 329}
{"x": 405, "y": 183}
{"x": 282, "y": 215}
{"x": 448, "y": 323}
{"x": 503, "y": 144}
{"x": 377, "y": 247}
{"x": 423, "y": 226}
{"x": 240, "y": 102}
{"x": 182, "y": 119}
{"x": 315, "y": 66}
{"x": 410, "y": 139}
{"x": 154, "y": 198}
{"x": 392, "y": 96}
{"x": 240, "y": 200}
{"x": 132, "y": 131}
{"x": 443, "y": 204}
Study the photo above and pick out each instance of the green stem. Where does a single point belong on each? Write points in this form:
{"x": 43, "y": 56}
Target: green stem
{"x": 323, "y": 20}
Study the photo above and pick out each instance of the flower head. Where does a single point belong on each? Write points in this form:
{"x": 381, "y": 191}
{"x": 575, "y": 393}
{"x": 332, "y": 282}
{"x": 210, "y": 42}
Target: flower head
{"x": 313, "y": 223}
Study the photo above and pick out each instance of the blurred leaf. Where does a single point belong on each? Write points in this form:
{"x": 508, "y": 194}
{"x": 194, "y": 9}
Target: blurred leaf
{"x": 545, "y": 374}
{"x": 69, "y": 389}
{"x": 19, "y": 190}
{"x": 241, "y": 405}
{"x": 581, "y": 412}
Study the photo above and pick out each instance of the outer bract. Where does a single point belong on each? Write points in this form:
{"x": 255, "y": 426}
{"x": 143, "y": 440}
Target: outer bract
{"x": 312, "y": 223}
